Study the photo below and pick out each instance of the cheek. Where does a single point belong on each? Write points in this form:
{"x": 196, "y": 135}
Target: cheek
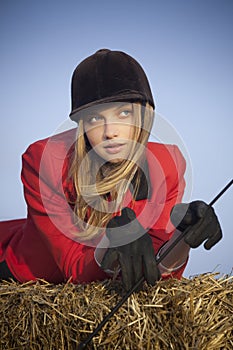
{"x": 91, "y": 137}
{"x": 94, "y": 135}
{"x": 130, "y": 131}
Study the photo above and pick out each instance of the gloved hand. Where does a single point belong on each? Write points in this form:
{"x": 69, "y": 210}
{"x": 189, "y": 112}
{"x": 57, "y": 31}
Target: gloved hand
{"x": 203, "y": 222}
{"x": 136, "y": 258}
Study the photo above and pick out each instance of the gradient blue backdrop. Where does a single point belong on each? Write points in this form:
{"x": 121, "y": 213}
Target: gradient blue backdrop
{"x": 186, "y": 49}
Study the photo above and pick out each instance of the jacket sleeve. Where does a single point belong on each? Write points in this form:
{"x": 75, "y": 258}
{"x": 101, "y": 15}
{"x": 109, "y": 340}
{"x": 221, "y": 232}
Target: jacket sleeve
{"x": 169, "y": 191}
{"x": 52, "y": 216}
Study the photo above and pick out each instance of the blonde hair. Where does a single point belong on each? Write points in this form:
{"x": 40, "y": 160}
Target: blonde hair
{"x": 100, "y": 190}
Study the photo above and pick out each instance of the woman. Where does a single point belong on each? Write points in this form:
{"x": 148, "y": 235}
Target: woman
{"x": 99, "y": 197}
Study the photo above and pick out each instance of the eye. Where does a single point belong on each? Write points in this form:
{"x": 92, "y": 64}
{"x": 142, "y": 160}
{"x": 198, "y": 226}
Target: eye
{"x": 125, "y": 113}
{"x": 94, "y": 119}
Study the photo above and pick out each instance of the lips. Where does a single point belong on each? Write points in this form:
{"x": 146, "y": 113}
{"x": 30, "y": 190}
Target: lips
{"x": 114, "y": 148}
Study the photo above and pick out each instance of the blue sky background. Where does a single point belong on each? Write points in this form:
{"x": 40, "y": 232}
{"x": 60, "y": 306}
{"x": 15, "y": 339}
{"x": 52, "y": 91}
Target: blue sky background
{"x": 186, "y": 49}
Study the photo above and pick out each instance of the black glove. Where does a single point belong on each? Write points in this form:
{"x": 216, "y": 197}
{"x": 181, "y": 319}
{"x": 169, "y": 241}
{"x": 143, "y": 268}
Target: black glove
{"x": 203, "y": 222}
{"x": 136, "y": 258}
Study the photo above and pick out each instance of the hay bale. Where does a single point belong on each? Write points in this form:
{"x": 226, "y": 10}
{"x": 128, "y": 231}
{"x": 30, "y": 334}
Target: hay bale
{"x": 192, "y": 313}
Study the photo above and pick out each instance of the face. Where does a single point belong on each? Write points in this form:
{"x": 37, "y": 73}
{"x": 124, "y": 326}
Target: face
{"x": 110, "y": 129}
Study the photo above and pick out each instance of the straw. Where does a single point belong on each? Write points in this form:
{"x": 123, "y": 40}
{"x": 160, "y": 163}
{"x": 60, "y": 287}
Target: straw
{"x": 195, "y": 313}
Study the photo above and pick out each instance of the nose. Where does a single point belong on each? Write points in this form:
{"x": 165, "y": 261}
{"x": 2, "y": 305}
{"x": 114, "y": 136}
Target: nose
{"x": 111, "y": 130}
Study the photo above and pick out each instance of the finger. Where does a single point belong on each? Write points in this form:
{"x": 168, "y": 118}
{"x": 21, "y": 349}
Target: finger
{"x": 137, "y": 268}
{"x": 198, "y": 233}
{"x": 151, "y": 271}
{"x": 109, "y": 258}
{"x": 126, "y": 271}
{"x": 199, "y": 209}
{"x": 195, "y": 238}
{"x": 215, "y": 238}
{"x": 138, "y": 272}
{"x": 204, "y": 229}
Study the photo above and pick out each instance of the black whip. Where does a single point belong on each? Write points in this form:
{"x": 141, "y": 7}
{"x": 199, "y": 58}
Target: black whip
{"x": 83, "y": 344}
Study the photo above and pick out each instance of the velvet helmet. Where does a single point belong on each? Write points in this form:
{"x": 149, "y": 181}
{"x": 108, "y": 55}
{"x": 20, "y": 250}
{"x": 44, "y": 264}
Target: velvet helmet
{"x": 108, "y": 76}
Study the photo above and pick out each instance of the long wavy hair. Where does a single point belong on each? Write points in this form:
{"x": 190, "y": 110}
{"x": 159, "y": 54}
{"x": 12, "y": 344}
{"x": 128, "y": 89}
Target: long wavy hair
{"x": 100, "y": 187}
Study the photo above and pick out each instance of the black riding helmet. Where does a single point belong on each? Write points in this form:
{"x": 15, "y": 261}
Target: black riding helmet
{"x": 108, "y": 76}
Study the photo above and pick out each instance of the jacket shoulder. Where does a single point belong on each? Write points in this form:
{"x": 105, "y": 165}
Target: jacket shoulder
{"x": 48, "y": 159}
{"x": 55, "y": 146}
{"x": 157, "y": 147}
{"x": 167, "y": 155}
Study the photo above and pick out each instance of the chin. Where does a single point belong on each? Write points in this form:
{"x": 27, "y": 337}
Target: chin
{"x": 117, "y": 158}
{"x": 114, "y": 160}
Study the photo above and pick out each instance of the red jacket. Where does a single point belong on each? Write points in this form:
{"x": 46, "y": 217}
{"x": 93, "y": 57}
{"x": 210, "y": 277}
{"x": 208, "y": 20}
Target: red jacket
{"x": 44, "y": 245}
